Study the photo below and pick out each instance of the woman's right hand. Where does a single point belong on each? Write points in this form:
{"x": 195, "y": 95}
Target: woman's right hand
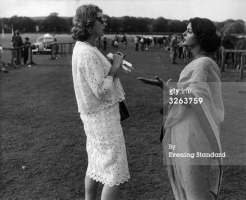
{"x": 117, "y": 61}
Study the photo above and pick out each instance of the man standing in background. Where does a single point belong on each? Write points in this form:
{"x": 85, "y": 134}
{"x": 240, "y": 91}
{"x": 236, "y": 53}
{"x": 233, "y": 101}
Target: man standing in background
{"x": 27, "y": 44}
{"x": 136, "y": 43}
{"x": 174, "y": 46}
{"x": 17, "y": 42}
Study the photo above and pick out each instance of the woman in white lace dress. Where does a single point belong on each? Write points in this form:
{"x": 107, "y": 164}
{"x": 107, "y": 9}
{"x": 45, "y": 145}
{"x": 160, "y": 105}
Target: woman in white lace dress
{"x": 98, "y": 92}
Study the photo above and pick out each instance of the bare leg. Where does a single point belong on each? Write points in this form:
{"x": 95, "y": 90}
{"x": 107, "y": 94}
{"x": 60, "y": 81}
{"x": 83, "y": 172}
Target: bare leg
{"x": 90, "y": 188}
{"x": 110, "y": 193}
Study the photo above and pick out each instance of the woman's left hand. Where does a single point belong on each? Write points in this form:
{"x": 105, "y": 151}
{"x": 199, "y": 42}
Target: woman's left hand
{"x": 158, "y": 82}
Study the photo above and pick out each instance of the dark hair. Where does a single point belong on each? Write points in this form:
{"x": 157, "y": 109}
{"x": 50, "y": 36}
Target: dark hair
{"x": 84, "y": 19}
{"x": 206, "y": 35}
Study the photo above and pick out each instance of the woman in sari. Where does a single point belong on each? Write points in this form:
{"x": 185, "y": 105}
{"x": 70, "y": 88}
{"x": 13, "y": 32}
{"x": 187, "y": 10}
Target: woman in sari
{"x": 192, "y": 149}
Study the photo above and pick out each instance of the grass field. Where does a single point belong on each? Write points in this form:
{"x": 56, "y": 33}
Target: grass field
{"x": 43, "y": 142}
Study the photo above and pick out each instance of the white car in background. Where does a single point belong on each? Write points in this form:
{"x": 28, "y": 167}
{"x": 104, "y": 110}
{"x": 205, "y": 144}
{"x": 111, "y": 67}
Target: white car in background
{"x": 43, "y": 44}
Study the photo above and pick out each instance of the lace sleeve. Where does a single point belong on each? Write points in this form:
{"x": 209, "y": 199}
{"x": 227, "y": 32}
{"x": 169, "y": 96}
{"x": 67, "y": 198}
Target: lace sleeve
{"x": 93, "y": 71}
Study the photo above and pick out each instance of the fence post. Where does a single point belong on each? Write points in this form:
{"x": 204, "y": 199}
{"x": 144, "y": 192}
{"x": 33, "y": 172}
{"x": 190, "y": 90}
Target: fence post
{"x": 242, "y": 66}
{"x": 30, "y": 52}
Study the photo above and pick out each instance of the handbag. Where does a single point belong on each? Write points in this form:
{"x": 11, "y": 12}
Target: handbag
{"x": 124, "y": 114}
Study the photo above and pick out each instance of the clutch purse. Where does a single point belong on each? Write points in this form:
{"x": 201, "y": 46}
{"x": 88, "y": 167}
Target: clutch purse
{"x": 124, "y": 114}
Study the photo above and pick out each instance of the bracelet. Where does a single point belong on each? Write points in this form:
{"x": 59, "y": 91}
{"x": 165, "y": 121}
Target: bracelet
{"x": 168, "y": 81}
{"x": 167, "y": 93}
{"x": 113, "y": 74}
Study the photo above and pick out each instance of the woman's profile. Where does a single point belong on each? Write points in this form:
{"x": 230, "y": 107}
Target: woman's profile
{"x": 193, "y": 122}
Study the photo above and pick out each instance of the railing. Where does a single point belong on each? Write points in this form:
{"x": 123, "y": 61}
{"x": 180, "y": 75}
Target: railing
{"x": 242, "y": 59}
{"x": 61, "y": 49}
{"x": 65, "y": 48}
{"x": 16, "y": 55}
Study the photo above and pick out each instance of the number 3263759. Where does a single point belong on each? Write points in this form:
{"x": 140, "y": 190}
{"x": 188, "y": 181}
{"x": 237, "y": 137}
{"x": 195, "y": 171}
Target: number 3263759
{"x": 185, "y": 100}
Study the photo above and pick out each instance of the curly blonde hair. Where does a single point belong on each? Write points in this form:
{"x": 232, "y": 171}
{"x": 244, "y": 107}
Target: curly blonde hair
{"x": 84, "y": 19}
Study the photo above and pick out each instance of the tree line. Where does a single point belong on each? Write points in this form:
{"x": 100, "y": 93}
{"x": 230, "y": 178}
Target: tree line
{"x": 126, "y": 24}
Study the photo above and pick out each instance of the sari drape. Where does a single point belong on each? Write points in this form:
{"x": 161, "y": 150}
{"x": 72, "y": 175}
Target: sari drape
{"x": 193, "y": 131}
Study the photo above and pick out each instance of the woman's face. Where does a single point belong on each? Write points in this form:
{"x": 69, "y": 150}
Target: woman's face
{"x": 99, "y": 26}
{"x": 189, "y": 37}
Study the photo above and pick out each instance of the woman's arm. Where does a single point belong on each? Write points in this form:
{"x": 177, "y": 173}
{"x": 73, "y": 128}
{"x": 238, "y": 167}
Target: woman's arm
{"x": 116, "y": 64}
{"x": 165, "y": 87}
{"x": 90, "y": 67}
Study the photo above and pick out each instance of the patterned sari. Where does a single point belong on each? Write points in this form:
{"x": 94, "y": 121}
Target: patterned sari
{"x": 194, "y": 171}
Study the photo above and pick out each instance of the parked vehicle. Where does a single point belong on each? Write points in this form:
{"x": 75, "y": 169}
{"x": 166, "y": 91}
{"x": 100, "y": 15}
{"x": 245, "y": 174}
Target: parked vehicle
{"x": 43, "y": 44}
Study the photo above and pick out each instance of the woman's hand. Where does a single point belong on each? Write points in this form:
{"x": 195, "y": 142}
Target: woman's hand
{"x": 117, "y": 61}
{"x": 158, "y": 82}
{"x": 116, "y": 64}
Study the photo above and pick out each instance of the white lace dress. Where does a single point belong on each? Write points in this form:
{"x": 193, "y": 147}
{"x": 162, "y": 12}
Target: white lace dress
{"x": 98, "y": 99}
{"x": 107, "y": 160}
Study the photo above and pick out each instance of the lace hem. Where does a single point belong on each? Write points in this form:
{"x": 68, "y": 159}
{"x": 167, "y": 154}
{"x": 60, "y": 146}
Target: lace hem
{"x": 105, "y": 182}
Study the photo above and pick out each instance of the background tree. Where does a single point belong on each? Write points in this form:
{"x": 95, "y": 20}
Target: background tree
{"x": 145, "y": 24}
{"x": 24, "y": 24}
{"x": 235, "y": 27}
{"x": 126, "y": 24}
{"x": 6, "y": 24}
{"x": 116, "y": 24}
{"x": 176, "y": 26}
{"x": 27, "y": 24}
{"x": 53, "y": 23}
{"x": 160, "y": 25}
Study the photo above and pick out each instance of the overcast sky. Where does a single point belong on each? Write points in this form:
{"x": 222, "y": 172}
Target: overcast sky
{"x": 216, "y": 10}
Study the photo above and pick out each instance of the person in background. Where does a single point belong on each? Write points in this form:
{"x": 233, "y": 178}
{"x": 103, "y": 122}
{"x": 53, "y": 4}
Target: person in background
{"x": 27, "y": 45}
{"x": 180, "y": 48}
{"x": 105, "y": 44}
{"x": 124, "y": 39}
{"x": 56, "y": 48}
{"x": 17, "y": 42}
{"x": 112, "y": 41}
{"x": 14, "y": 53}
{"x": 98, "y": 91}
{"x": 1, "y": 52}
{"x": 136, "y": 43}
{"x": 187, "y": 54}
{"x": 173, "y": 51}
{"x": 116, "y": 45}
{"x": 142, "y": 43}
{"x": 1, "y": 63}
